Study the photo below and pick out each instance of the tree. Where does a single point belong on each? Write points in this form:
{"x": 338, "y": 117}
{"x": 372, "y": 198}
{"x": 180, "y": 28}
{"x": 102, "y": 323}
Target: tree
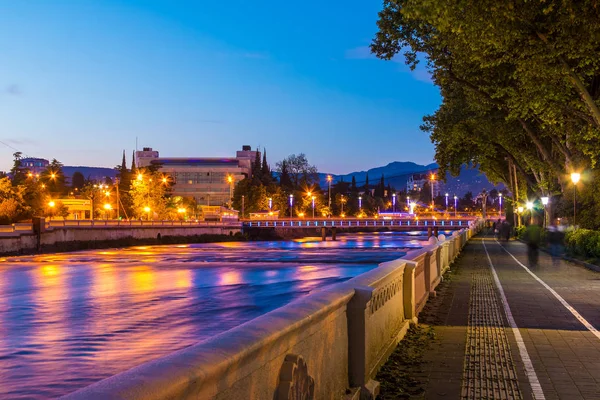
{"x": 520, "y": 86}
{"x": 367, "y": 191}
{"x": 133, "y": 170}
{"x": 353, "y": 187}
{"x": 12, "y": 202}
{"x": 77, "y": 180}
{"x": 265, "y": 169}
{"x": 54, "y": 179}
{"x": 299, "y": 170}
{"x": 149, "y": 196}
{"x": 285, "y": 181}
{"x": 17, "y": 173}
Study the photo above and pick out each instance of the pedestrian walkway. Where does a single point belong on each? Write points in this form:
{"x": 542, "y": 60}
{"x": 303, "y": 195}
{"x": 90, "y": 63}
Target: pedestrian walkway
{"x": 508, "y": 331}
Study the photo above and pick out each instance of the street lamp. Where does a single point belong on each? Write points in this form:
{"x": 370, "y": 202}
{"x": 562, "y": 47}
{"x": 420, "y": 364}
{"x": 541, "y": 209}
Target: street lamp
{"x": 51, "y": 204}
{"x": 455, "y": 202}
{"x": 291, "y": 206}
{"x": 107, "y": 207}
{"x": 147, "y": 210}
{"x": 575, "y": 177}
{"x": 408, "y": 201}
{"x": 360, "y": 203}
{"x": 313, "y": 206}
{"x": 230, "y": 180}
{"x": 545, "y": 201}
{"x": 394, "y": 203}
{"x": 529, "y": 206}
{"x": 329, "y": 179}
{"x": 342, "y": 201}
{"x": 446, "y": 202}
{"x": 270, "y": 204}
{"x": 432, "y": 178}
{"x": 500, "y": 199}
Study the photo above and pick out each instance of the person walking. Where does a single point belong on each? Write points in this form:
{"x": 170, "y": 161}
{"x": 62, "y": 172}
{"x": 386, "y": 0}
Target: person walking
{"x": 533, "y": 237}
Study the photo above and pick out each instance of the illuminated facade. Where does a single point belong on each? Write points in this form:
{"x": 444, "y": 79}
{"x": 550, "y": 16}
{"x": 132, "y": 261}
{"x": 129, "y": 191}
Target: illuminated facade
{"x": 416, "y": 182}
{"x": 34, "y": 165}
{"x": 206, "y": 178}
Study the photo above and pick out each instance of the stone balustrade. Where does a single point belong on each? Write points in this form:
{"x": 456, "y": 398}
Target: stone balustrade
{"x": 327, "y": 345}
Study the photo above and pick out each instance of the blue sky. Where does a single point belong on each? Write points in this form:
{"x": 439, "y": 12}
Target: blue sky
{"x": 80, "y": 80}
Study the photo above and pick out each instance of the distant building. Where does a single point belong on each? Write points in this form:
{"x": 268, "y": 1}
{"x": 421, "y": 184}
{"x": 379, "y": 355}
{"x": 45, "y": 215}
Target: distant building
{"x": 34, "y": 165}
{"x": 416, "y": 182}
{"x": 203, "y": 178}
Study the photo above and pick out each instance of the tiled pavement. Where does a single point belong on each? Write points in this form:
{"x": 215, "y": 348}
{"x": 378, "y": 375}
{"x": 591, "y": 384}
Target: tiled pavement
{"x": 565, "y": 355}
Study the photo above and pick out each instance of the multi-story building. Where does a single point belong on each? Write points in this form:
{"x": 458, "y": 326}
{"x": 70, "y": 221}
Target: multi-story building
{"x": 416, "y": 182}
{"x": 206, "y": 179}
{"x": 34, "y": 165}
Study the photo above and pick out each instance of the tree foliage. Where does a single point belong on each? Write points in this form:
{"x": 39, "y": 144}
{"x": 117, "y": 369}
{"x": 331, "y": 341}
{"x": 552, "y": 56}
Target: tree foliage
{"x": 520, "y": 83}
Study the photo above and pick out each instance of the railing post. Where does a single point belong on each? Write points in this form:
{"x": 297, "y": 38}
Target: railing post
{"x": 408, "y": 289}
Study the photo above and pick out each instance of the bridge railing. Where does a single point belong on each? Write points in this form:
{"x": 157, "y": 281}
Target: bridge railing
{"x": 99, "y": 223}
{"x": 348, "y": 223}
{"x": 329, "y": 344}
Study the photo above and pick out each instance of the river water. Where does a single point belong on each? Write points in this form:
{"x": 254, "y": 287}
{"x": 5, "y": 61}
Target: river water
{"x": 68, "y": 320}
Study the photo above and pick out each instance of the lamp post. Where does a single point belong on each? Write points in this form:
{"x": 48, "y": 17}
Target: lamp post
{"x": 545, "y": 201}
{"x": 51, "y": 204}
{"x": 408, "y": 201}
{"x": 432, "y": 177}
{"x": 360, "y": 203}
{"x": 500, "y": 199}
{"x": 394, "y": 203}
{"x": 230, "y": 181}
{"x": 270, "y": 204}
{"x": 243, "y": 205}
{"x": 446, "y": 202}
{"x": 107, "y": 207}
{"x": 455, "y": 202}
{"x": 147, "y": 210}
{"x": 313, "y": 206}
{"x": 529, "y": 206}
{"x": 291, "y": 206}
{"x": 575, "y": 177}
{"x": 329, "y": 182}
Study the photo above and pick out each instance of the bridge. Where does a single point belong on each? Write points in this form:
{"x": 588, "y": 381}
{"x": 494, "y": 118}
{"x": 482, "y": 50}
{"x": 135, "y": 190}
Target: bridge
{"x": 397, "y": 223}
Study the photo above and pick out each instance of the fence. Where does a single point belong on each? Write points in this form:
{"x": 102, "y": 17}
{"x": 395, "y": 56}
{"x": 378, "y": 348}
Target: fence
{"x": 326, "y": 345}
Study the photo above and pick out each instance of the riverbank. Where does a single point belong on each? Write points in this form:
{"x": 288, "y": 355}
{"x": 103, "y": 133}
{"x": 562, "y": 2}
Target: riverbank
{"x": 65, "y": 247}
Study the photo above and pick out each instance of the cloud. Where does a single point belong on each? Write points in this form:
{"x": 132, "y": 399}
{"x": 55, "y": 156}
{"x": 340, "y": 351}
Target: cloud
{"x": 19, "y": 141}
{"x": 364, "y": 53}
{"x": 13, "y": 89}
{"x": 359, "y": 53}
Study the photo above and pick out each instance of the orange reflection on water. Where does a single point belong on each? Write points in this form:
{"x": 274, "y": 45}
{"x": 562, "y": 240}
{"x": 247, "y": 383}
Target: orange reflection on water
{"x": 230, "y": 278}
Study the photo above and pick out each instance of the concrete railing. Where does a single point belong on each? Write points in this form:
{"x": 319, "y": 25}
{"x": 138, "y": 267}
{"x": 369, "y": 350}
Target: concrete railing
{"x": 327, "y": 345}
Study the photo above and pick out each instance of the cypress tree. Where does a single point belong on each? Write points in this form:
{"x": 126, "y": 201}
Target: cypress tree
{"x": 353, "y": 187}
{"x": 265, "y": 170}
{"x": 133, "y": 170}
{"x": 256, "y": 168}
{"x": 367, "y": 184}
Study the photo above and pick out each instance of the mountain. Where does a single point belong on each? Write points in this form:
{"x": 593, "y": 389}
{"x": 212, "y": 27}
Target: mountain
{"x": 397, "y": 174}
{"x": 98, "y": 174}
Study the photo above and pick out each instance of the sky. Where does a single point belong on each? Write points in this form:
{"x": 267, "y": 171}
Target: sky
{"x": 80, "y": 80}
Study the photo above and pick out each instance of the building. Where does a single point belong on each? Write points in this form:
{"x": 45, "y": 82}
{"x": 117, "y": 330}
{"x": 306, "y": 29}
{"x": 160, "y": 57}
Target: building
{"x": 206, "y": 178}
{"x": 34, "y": 165}
{"x": 416, "y": 182}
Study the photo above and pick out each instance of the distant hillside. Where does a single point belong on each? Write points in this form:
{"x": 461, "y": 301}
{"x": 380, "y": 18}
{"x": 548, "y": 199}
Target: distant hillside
{"x": 92, "y": 173}
{"x": 397, "y": 173}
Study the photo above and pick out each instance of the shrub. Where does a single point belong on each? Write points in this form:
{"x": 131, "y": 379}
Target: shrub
{"x": 583, "y": 242}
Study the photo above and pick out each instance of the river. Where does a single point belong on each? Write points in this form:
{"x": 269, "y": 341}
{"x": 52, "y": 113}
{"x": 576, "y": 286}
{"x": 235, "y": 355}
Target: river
{"x": 68, "y": 320}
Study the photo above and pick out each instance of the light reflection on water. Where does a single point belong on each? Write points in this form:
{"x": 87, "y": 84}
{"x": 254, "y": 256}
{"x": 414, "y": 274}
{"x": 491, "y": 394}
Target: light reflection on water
{"x": 68, "y": 320}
